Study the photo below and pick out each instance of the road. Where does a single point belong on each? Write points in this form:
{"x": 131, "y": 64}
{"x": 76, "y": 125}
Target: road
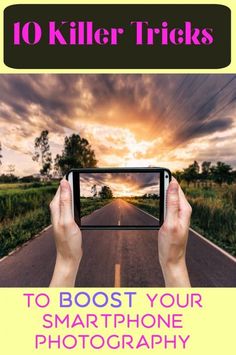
{"x": 117, "y": 258}
{"x": 119, "y": 212}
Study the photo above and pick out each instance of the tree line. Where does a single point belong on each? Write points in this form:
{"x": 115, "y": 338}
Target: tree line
{"x": 207, "y": 172}
{"x": 77, "y": 152}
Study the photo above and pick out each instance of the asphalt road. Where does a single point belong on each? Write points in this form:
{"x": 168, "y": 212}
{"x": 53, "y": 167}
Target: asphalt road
{"x": 121, "y": 258}
{"x": 119, "y": 212}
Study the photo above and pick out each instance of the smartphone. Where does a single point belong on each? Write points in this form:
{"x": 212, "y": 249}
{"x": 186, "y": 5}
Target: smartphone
{"x": 119, "y": 198}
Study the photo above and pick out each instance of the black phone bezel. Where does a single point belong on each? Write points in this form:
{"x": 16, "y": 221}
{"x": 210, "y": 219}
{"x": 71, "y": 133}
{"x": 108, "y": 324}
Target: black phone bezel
{"x": 76, "y": 194}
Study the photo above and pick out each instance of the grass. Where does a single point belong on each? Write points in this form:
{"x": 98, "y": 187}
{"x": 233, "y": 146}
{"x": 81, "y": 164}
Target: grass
{"x": 214, "y": 213}
{"x": 16, "y": 202}
{"x": 149, "y": 205}
{"x": 20, "y": 230}
{"x": 13, "y": 186}
{"x": 89, "y": 205}
{"x": 24, "y": 212}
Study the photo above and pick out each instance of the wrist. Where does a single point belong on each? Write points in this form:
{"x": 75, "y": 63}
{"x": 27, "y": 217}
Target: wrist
{"x": 175, "y": 274}
{"x": 68, "y": 264}
{"x": 65, "y": 272}
{"x": 171, "y": 265}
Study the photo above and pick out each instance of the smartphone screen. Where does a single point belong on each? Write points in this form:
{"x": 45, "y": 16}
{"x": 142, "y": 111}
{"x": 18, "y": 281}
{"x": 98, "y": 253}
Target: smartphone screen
{"x": 118, "y": 199}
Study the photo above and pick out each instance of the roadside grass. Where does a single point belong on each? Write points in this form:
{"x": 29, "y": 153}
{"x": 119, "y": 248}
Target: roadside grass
{"x": 19, "y": 230}
{"x": 26, "y": 185}
{"x": 13, "y": 186}
{"x": 17, "y": 202}
{"x": 89, "y": 205}
{"x": 214, "y": 213}
{"x": 24, "y": 212}
{"x": 148, "y": 205}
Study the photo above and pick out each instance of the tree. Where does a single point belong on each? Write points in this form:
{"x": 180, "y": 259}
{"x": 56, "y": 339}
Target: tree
{"x": 77, "y": 153}
{"x": 30, "y": 178}
{"x": 7, "y": 179}
{"x": 191, "y": 173}
{"x": 234, "y": 175}
{"x": 206, "y": 171}
{"x": 221, "y": 173}
{"x": 178, "y": 175}
{"x": 94, "y": 190}
{"x": 42, "y": 153}
{"x": 106, "y": 193}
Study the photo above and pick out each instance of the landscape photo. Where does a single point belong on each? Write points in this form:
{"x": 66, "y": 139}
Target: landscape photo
{"x": 120, "y": 199}
{"x": 51, "y": 123}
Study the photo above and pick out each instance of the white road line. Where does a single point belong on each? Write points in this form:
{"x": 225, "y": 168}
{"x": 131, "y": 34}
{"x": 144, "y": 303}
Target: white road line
{"x": 144, "y": 212}
{"x": 26, "y": 243}
{"x": 200, "y": 236}
{"x": 213, "y": 245}
{"x": 193, "y": 231}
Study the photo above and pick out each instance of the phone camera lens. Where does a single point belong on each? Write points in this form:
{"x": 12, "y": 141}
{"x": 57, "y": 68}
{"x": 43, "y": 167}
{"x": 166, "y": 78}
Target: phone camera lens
{"x": 166, "y": 176}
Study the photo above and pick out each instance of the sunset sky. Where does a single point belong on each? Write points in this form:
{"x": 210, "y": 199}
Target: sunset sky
{"x": 130, "y": 120}
{"x": 121, "y": 184}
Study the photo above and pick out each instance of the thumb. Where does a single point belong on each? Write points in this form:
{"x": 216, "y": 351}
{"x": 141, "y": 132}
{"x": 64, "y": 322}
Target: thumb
{"x": 65, "y": 201}
{"x": 172, "y": 210}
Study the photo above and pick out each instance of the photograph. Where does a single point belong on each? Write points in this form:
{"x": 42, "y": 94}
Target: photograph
{"x": 118, "y": 177}
{"x": 119, "y": 199}
{"x": 52, "y": 123}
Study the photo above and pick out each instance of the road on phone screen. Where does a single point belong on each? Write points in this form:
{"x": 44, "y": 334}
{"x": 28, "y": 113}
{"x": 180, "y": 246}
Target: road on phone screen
{"x": 117, "y": 258}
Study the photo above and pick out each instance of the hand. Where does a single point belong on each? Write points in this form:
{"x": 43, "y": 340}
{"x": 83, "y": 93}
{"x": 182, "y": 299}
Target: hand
{"x": 173, "y": 237}
{"x": 67, "y": 237}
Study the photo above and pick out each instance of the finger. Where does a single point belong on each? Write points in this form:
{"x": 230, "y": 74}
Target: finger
{"x": 185, "y": 208}
{"x": 172, "y": 211}
{"x": 55, "y": 207}
{"x": 182, "y": 196}
{"x": 65, "y": 202}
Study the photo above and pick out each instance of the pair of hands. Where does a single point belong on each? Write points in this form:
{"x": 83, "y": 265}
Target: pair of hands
{"x": 172, "y": 238}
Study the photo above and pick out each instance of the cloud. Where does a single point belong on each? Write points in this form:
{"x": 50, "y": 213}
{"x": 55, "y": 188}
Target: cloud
{"x": 120, "y": 183}
{"x": 207, "y": 127}
{"x": 128, "y": 119}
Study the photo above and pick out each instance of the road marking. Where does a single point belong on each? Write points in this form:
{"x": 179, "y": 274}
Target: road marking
{"x": 198, "y": 235}
{"x": 117, "y": 275}
{"x": 144, "y": 212}
{"x": 213, "y": 245}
